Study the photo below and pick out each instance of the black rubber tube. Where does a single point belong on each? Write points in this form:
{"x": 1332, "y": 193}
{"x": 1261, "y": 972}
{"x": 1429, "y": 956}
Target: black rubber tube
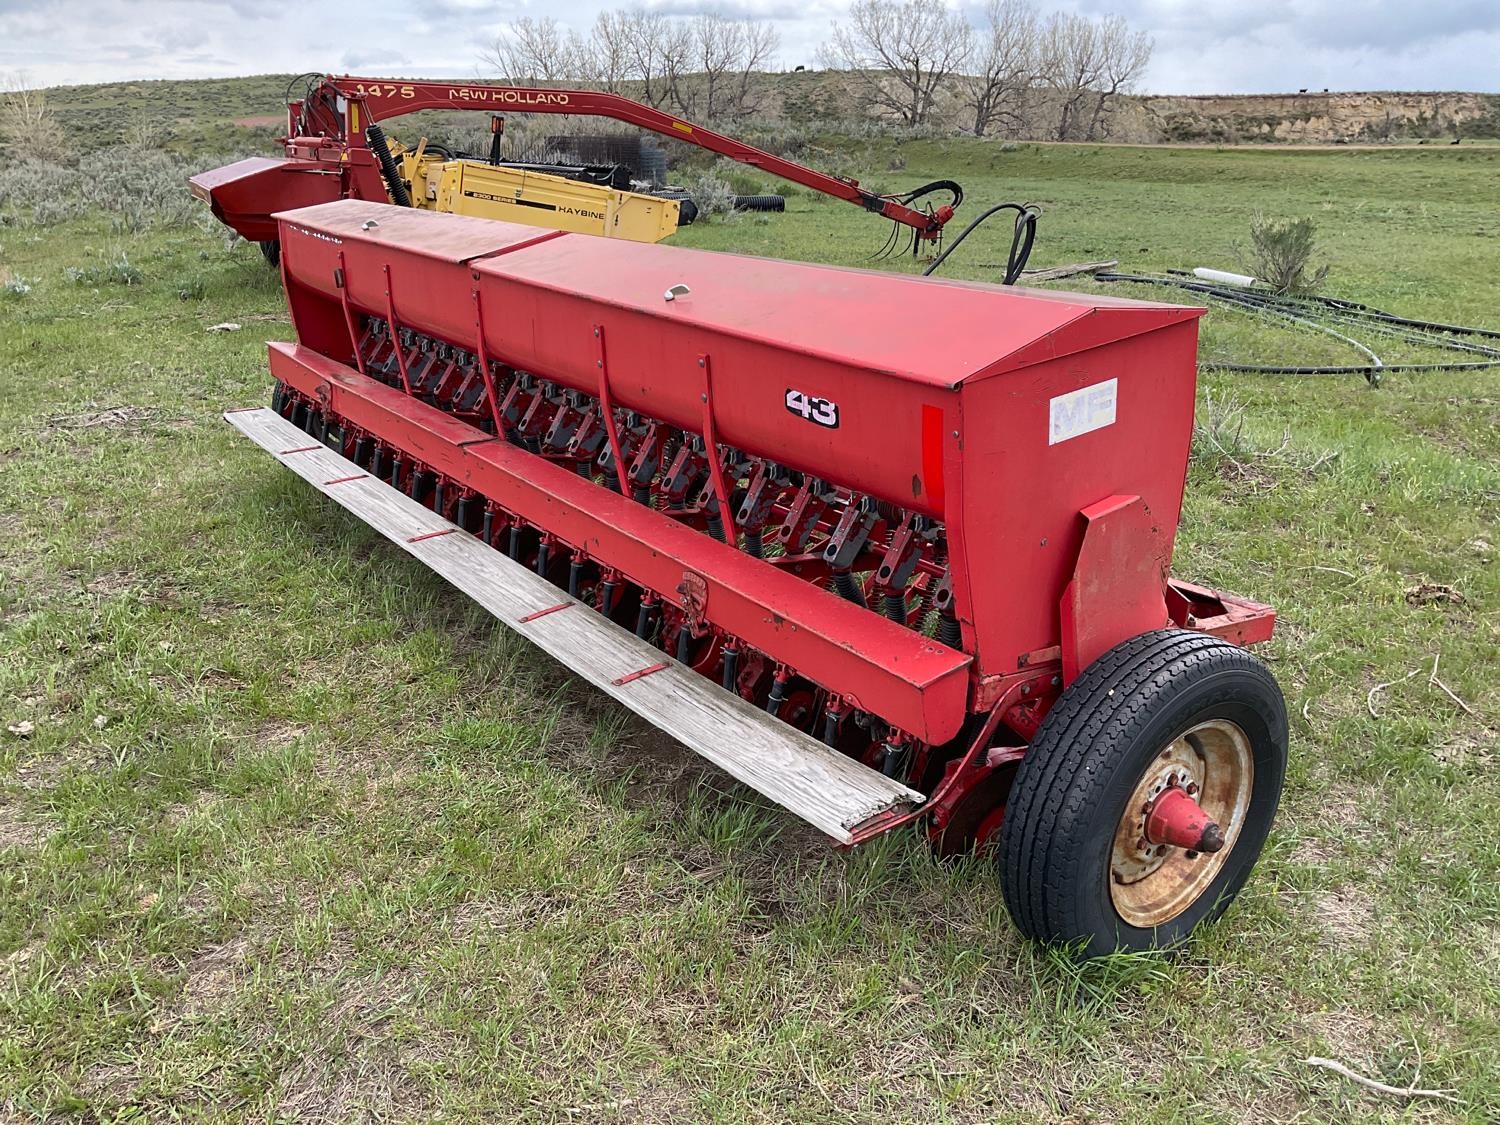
{"x": 830, "y": 729}
{"x": 388, "y": 170}
{"x": 778, "y": 695}
{"x": 1021, "y": 240}
{"x": 1347, "y": 313}
{"x": 776, "y": 203}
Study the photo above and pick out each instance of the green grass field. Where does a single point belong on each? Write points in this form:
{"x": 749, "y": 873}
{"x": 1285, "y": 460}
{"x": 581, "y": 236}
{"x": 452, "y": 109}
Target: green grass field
{"x": 297, "y": 833}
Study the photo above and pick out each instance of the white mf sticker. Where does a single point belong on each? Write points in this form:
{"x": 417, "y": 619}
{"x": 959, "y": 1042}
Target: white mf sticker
{"x": 1082, "y": 411}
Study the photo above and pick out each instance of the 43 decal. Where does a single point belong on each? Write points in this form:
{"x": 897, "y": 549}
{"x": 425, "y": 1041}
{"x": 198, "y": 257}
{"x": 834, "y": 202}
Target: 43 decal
{"x": 819, "y": 411}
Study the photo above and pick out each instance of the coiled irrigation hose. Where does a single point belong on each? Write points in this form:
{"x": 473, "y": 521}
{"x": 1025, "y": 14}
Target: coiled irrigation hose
{"x": 1348, "y": 314}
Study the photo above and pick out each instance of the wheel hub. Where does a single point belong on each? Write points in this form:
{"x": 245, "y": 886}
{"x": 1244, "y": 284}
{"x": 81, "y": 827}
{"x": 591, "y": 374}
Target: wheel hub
{"x": 1180, "y": 823}
{"x": 1177, "y": 820}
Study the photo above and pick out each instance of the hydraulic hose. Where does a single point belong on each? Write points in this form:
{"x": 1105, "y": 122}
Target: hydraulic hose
{"x": 1020, "y": 243}
{"x": 388, "y": 170}
{"x": 950, "y": 186}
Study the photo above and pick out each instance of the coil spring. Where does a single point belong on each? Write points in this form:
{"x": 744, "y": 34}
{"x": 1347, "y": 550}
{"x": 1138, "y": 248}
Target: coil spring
{"x": 846, "y": 588}
{"x": 948, "y": 632}
{"x": 716, "y": 525}
{"x": 894, "y": 607}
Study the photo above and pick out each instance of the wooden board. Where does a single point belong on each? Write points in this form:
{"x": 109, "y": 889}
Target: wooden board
{"x": 829, "y": 790}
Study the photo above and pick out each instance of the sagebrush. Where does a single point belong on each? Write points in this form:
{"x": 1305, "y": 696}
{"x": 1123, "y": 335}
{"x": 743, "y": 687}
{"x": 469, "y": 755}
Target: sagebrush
{"x": 1281, "y": 252}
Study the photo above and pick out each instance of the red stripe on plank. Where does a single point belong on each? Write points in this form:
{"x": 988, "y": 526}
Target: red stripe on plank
{"x": 432, "y": 534}
{"x": 299, "y": 449}
{"x": 544, "y": 612}
{"x": 638, "y": 673}
{"x": 345, "y": 480}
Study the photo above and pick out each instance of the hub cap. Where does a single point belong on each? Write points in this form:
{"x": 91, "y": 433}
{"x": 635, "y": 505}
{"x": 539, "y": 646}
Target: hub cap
{"x": 1152, "y": 883}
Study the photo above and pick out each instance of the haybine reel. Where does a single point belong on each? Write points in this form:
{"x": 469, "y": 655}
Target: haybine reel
{"x": 885, "y": 576}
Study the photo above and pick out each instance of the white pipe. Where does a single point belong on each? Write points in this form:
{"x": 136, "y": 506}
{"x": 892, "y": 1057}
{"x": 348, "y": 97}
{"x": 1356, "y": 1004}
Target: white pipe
{"x": 1203, "y": 273}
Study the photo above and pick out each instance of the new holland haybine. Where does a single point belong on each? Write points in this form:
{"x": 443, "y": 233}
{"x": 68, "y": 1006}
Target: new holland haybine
{"x": 890, "y": 550}
{"x": 336, "y": 148}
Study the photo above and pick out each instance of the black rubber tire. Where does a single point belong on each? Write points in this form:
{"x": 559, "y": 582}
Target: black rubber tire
{"x": 271, "y": 252}
{"x": 1081, "y": 768}
{"x": 760, "y": 203}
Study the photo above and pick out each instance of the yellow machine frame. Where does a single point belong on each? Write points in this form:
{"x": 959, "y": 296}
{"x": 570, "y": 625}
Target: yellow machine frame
{"x": 488, "y": 191}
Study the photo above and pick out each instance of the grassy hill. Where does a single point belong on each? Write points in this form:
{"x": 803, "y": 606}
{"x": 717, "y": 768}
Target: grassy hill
{"x": 186, "y": 116}
{"x": 208, "y": 116}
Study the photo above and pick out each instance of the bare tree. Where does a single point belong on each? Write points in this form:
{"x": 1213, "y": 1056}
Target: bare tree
{"x": 528, "y": 51}
{"x": 28, "y": 123}
{"x": 602, "y": 59}
{"x": 1070, "y": 67}
{"x": 1006, "y": 63}
{"x": 656, "y": 49}
{"x": 1086, "y": 63}
{"x": 761, "y": 42}
{"x": 900, "y": 53}
{"x": 723, "y": 57}
{"x": 1124, "y": 56}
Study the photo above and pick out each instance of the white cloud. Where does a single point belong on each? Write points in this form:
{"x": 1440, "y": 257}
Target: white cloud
{"x": 1201, "y": 46}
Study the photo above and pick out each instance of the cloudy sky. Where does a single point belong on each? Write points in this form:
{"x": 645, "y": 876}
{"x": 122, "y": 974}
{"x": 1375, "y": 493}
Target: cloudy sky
{"x": 1202, "y": 46}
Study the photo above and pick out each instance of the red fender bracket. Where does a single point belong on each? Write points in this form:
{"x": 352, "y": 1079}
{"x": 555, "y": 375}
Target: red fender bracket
{"x": 1118, "y": 586}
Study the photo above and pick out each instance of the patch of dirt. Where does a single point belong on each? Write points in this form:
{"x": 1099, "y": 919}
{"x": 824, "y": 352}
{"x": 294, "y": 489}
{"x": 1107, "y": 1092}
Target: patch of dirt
{"x": 1433, "y": 593}
{"x": 1338, "y": 811}
{"x": 276, "y": 733}
{"x": 113, "y": 418}
{"x": 212, "y": 979}
{"x": 1246, "y": 476}
{"x": 361, "y": 1072}
{"x": 213, "y": 976}
{"x": 41, "y": 773}
{"x": 1347, "y": 916}
{"x": 202, "y": 804}
{"x": 1351, "y": 1037}
{"x": 187, "y": 688}
{"x": 255, "y": 121}
{"x": 18, "y": 830}
{"x": 117, "y": 583}
{"x": 1465, "y": 751}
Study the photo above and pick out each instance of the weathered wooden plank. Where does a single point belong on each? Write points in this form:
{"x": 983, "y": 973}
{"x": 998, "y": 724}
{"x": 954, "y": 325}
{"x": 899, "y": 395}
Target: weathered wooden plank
{"x": 829, "y": 790}
{"x": 1057, "y": 273}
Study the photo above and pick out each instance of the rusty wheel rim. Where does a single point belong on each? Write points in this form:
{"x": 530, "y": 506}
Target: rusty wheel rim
{"x": 1150, "y": 884}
